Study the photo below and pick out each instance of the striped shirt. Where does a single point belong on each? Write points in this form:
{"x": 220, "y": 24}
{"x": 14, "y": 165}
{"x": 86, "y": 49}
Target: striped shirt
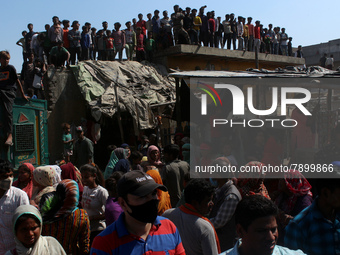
{"x": 312, "y": 233}
{"x": 163, "y": 238}
{"x": 72, "y": 232}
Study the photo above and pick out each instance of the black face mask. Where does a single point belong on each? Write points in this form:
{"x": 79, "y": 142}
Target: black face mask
{"x": 146, "y": 212}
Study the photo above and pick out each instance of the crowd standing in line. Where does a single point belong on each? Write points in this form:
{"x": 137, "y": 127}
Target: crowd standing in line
{"x": 66, "y": 42}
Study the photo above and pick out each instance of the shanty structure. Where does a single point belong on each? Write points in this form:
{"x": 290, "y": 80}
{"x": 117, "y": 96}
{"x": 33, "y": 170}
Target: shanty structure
{"x": 111, "y": 99}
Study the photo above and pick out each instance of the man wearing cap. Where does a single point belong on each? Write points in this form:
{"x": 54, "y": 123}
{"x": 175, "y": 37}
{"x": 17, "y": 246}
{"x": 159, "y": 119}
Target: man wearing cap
{"x": 138, "y": 230}
{"x": 83, "y": 149}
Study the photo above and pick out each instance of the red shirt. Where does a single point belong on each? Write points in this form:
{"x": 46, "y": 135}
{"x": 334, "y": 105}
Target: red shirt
{"x": 65, "y": 39}
{"x": 142, "y": 24}
{"x": 251, "y": 29}
{"x": 140, "y": 42}
{"x": 212, "y": 25}
{"x": 257, "y": 33}
{"x": 109, "y": 43}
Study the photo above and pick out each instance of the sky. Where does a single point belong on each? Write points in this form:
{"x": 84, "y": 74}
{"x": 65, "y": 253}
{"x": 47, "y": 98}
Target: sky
{"x": 308, "y": 22}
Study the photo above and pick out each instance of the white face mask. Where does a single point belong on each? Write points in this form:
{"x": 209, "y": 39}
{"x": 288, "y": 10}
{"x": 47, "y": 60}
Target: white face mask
{"x": 6, "y": 184}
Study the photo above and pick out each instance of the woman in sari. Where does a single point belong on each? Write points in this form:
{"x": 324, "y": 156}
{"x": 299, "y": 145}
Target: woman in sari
{"x": 64, "y": 220}
{"x": 163, "y": 196}
{"x": 154, "y": 159}
{"x": 25, "y": 179}
{"x": 27, "y": 226}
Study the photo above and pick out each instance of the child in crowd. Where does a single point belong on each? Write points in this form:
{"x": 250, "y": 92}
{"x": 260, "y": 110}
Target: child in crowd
{"x": 85, "y": 43}
{"x": 140, "y": 53}
{"x": 136, "y": 160}
{"x": 30, "y": 94}
{"x": 290, "y": 47}
{"x": 94, "y": 43}
{"x": 68, "y": 142}
{"x": 21, "y": 43}
{"x": 101, "y": 47}
{"x": 150, "y": 46}
{"x": 66, "y": 24}
{"x": 119, "y": 39}
{"x": 110, "y": 48}
{"x": 130, "y": 41}
{"x": 39, "y": 71}
{"x": 94, "y": 198}
{"x": 74, "y": 37}
{"x": 112, "y": 208}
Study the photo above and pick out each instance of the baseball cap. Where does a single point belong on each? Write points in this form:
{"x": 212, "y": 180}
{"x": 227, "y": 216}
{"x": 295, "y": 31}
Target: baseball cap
{"x": 79, "y": 129}
{"x": 137, "y": 183}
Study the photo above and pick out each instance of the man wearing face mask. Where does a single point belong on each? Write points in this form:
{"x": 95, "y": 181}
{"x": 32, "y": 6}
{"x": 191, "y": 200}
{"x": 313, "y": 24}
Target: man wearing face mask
{"x": 198, "y": 234}
{"x": 10, "y": 198}
{"x": 138, "y": 230}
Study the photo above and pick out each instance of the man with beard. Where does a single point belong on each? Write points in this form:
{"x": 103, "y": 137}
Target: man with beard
{"x": 138, "y": 230}
{"x": 257, "y": 228}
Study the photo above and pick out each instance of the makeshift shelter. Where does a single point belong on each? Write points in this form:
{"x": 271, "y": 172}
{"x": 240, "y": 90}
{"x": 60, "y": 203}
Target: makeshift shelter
{"x": 134, "y": 85}
{"x": 122, "y": 97}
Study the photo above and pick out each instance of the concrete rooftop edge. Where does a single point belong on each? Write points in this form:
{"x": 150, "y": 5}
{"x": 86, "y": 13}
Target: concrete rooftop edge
{"x": 192, "y": 50}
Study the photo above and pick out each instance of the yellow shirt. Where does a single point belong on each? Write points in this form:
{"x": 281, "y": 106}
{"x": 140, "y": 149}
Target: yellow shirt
{"x": 245, "y": 31}
{"x": 197, "y": 20}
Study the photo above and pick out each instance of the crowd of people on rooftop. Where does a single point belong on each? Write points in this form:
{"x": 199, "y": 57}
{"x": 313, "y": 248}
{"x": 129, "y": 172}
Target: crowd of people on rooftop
{"x": 142, "y": 37}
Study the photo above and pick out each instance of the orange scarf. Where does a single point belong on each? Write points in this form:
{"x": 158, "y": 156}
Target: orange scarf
{"x": 189, "y": 209}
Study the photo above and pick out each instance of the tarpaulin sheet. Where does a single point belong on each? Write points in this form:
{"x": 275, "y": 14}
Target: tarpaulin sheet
{"x": 138, "y": 87}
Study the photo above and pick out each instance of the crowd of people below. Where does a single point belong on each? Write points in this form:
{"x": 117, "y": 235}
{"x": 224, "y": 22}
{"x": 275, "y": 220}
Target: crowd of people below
{"x": 57, "y": 45}
{"x": 145, "y": 201}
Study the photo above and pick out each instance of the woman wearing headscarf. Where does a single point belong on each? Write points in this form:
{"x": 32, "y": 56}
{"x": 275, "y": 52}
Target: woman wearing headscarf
{"x": 43, "y": 177}
{"x": 251, "y": 183}
{"x": 25, "y": 179}
{"x": 57, "y": 176}
{"x": 64, "y": 220}
{"x": 154, "y": 159}
{"x": 69, "y": 171}
{"x": 295, "y": 193}
{"x": 116, "y": 155}
{"x": 32, "y": 242}
{"x": 163, "y": 196}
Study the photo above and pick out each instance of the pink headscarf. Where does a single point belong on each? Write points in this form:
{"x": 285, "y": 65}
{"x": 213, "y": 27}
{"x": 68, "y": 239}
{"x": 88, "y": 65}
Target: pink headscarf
{"x": 156, "y": 162}
{"x": 29, "y": 188}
